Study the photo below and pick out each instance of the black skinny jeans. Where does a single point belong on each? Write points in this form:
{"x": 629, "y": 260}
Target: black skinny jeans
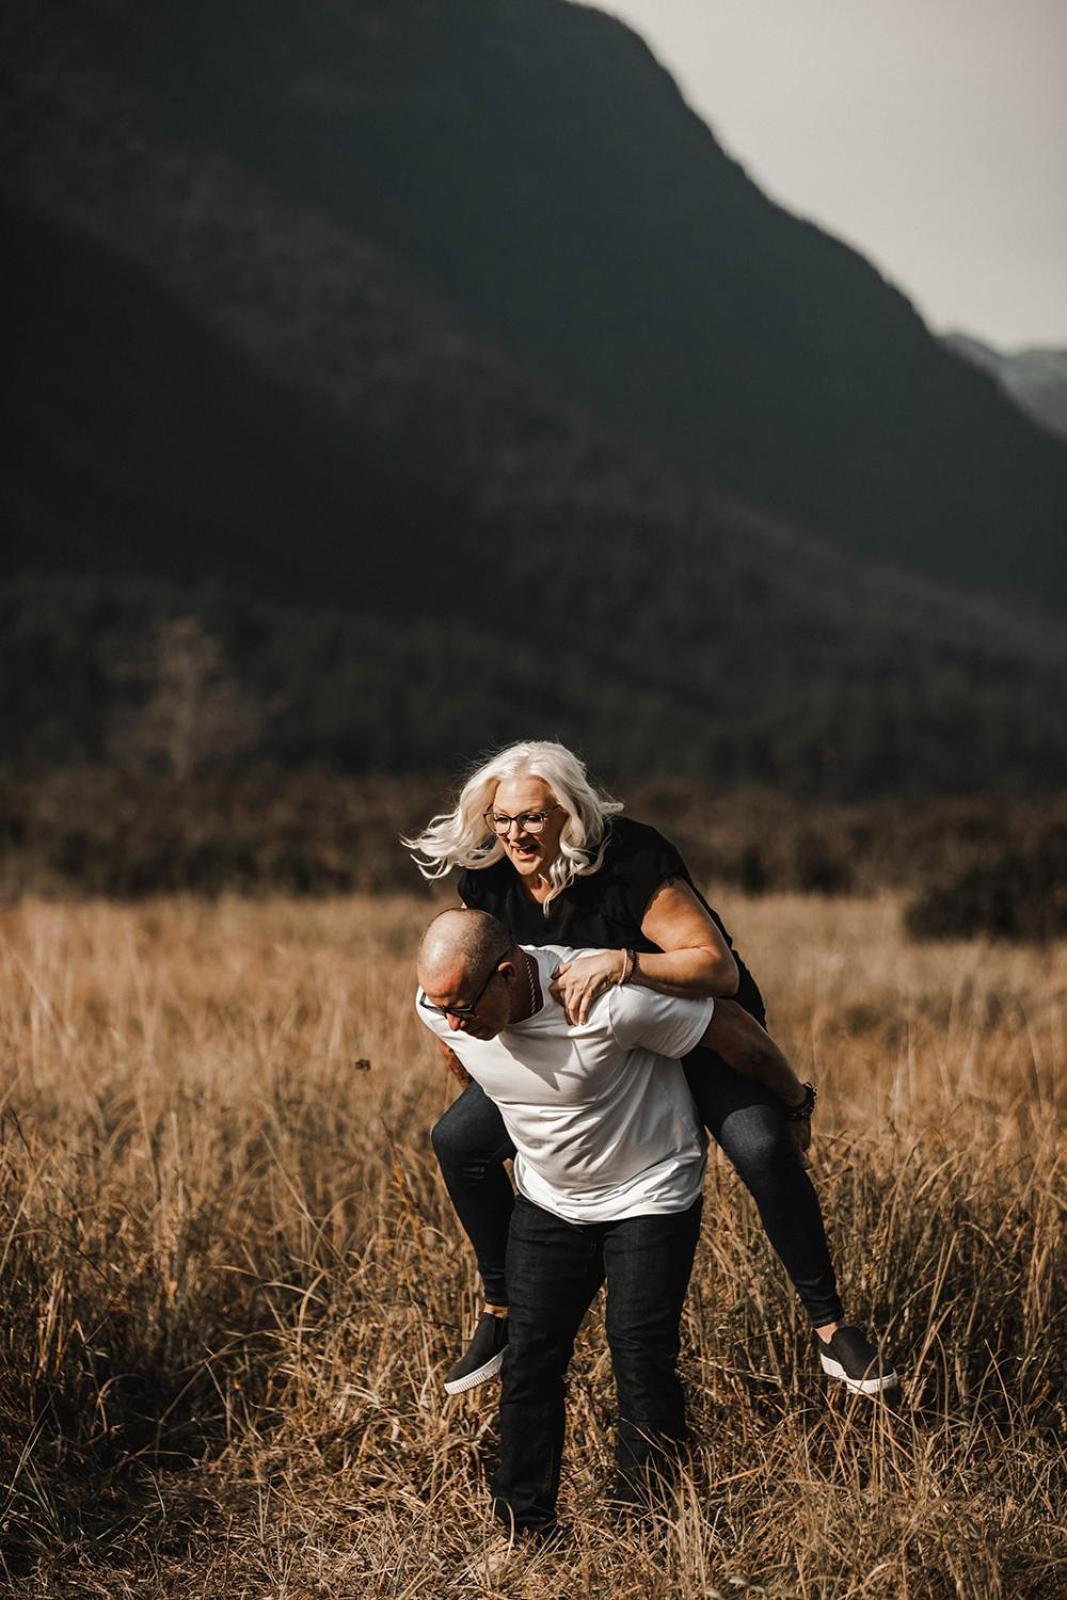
{"x": 554, "y": 1270}
{"x": 472, "y": 1144}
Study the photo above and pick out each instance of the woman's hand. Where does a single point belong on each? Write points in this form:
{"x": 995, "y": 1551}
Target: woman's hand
{"x": 800, "y": 1133}
{"x": 577, "y": 984}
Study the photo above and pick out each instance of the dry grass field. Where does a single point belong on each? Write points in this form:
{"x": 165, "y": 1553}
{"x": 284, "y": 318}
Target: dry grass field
{"x": 231, "y": 1280}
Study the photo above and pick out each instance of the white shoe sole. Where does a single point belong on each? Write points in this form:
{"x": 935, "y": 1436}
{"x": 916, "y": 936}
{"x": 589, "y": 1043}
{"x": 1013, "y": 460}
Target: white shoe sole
{"x": 479, "y": 1375}
{"x": 834, "y": 1369}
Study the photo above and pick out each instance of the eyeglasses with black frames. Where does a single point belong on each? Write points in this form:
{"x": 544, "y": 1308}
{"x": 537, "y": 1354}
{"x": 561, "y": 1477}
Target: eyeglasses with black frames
{"x": 531, "y": 822}
{"x": 464, "y": 1013}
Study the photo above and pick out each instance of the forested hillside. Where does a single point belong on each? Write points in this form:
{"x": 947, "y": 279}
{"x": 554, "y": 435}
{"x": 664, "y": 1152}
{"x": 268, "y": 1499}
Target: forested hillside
{"x": 863, "y": 690}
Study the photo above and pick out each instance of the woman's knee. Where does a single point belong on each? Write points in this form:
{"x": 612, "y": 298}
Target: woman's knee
{"x": 757, "y": 1142}
{"x": 447, "y": 1141}
{"x": 469, "y": 1146}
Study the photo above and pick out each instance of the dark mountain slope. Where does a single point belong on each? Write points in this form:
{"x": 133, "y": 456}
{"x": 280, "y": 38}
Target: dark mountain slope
{"x": 531, "y": 164}
{"x": 416, "y": 551}
{"x": 467, "y": 609}
{"x": 133, "y": 438}
{"x": 1035, "y": 378}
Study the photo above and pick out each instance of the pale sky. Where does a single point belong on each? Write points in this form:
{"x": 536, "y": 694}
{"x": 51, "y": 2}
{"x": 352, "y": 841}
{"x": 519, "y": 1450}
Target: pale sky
{"x": 929, "y": 134}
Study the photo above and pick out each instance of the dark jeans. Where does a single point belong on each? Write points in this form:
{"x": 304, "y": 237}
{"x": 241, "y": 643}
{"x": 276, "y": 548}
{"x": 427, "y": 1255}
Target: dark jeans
{"x": 749, "y": 1123}
{"x": 554, "y": 1269}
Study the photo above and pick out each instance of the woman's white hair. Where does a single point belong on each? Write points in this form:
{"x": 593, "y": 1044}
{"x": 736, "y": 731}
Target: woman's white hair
{"x": 460, "y": 838}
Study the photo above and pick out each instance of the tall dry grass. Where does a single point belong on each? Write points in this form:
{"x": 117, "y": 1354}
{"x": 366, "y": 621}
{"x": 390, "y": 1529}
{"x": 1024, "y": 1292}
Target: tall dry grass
{"x": 231, "y": 1278}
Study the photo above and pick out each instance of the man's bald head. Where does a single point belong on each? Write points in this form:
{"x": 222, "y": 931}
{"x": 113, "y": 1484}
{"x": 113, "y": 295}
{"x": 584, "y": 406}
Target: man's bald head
{"x": 461, "y": 945}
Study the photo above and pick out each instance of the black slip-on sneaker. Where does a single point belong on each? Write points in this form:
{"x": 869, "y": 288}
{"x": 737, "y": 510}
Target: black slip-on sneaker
{"x": 854, "y": 1361}
{"x": 482, "y": 1358}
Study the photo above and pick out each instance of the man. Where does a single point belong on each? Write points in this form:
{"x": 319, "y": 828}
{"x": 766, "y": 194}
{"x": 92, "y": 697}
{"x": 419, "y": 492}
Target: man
{"x": 609, "y": 1168}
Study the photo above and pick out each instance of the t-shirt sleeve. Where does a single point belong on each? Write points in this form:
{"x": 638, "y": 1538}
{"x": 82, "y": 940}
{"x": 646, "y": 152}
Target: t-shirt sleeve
{"x": 651, "y": 861}
{"x": 641, "y": 1018}
{"x": 430, "y": 1019}
{"x": 462, "y": 1046}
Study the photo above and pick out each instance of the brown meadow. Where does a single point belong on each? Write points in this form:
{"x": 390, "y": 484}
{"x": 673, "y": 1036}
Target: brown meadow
{"x": 232, "y": 1279}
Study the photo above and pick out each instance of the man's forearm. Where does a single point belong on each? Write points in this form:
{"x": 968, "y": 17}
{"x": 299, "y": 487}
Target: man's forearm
{"x": 750, "y": 1050}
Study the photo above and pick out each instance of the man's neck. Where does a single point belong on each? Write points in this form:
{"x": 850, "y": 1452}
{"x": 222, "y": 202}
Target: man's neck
{"x": 528, "y": 997}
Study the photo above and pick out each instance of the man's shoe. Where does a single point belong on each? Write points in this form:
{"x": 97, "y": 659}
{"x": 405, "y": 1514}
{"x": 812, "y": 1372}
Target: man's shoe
{"x": 853, "y": 1359}
{"x": 641, "y": 1488}
{"x": 626, "y": 1502}
{"x": 483, "y": 1357}
{"x": 493, "y": 1561}
{"x": 504, "y": 1551}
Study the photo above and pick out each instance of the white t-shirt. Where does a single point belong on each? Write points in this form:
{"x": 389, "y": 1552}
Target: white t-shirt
{"x": 601, "y": 1117}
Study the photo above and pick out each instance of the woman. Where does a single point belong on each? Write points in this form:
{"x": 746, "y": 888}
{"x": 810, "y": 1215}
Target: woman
{"x": 554, "y": 860}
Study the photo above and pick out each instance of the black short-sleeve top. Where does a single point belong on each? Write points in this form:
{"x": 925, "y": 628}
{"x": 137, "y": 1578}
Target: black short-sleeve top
{"x": 604, "y": 910}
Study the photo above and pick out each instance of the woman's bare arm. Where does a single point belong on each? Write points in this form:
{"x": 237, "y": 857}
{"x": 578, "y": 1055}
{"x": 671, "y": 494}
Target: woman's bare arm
{"x": 695, "y": 959}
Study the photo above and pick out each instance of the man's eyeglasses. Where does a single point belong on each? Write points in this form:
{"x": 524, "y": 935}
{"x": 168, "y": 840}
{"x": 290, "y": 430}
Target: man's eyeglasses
{"x": 464, "y": 1013}
{"x": 532, "y": 822}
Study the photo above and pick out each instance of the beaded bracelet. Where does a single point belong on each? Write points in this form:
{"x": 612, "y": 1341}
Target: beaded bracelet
{"x": 803, "y": 1111}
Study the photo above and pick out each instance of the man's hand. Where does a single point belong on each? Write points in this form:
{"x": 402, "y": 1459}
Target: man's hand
{"x": 800, "y": 1133}
{"x": 453, "y": 1063}
{"x": 577, "y": 984}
